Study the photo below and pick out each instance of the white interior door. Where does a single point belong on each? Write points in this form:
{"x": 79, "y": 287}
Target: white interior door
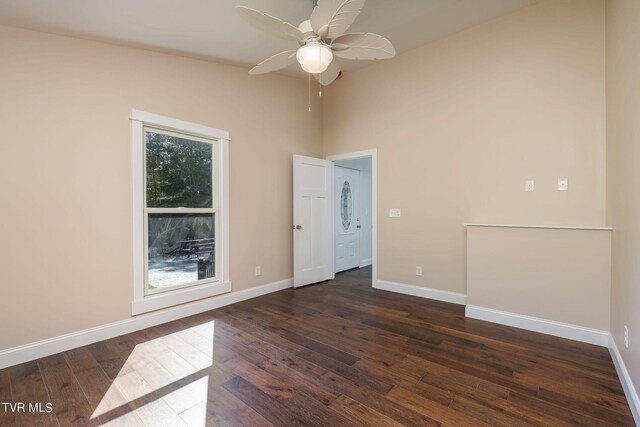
{"x": 312, "y": 251}
{"x": 347, "y": 218}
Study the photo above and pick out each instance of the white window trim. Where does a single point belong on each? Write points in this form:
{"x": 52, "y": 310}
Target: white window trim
{"x": 144, "y": 303}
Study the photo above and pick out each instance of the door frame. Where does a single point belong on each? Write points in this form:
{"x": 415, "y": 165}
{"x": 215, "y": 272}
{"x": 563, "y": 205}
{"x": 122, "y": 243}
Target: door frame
{"x": 373, "y": 154}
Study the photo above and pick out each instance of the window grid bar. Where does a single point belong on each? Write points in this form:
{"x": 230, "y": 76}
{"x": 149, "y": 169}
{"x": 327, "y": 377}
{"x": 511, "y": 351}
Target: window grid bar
{"x": 178, "y": 211}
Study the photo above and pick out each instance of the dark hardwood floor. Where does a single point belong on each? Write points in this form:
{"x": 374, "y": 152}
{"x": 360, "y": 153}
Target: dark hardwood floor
{"x": 338, "y": 353}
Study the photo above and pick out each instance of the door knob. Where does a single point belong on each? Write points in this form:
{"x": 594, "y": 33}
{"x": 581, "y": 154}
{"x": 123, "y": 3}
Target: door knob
{"x": 297, "y": 227}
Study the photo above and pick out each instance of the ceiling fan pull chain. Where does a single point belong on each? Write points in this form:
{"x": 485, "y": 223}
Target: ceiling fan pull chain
{"x": 320, "y": 88}
{"x": 309, "y": 92}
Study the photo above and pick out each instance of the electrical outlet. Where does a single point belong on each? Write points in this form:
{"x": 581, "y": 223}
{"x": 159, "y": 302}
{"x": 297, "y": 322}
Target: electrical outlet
{"x": 258, "y": 271}
{"x": 394, "y": 213}
{"x": 418, "y": 271}
{"x": 626, "y": 336}
{"x": 563, "y": 184}
{"x": 529, "y": 186}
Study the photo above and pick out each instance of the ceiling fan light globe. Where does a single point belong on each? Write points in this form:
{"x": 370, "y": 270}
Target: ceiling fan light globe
{"x": 314, "y": 57}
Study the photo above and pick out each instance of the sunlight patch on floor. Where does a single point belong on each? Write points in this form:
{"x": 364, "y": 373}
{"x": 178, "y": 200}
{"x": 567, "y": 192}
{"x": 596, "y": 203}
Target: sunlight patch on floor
{"x": 163, "y": 381}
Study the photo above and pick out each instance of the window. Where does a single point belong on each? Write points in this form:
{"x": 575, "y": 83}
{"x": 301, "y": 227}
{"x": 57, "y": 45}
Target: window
{"x": 180, "y": 193}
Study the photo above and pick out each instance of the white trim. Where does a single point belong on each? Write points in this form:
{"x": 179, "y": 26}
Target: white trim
{"x": 373, "y": 153}
{"x": 419, "y": 291}
{"x": 36, "y": 350}
{"x": 222, "y": 210}
{"x": 551, "y": 227}
{"x": 181, "y": 210}
{"x": 333, "y": 220}
{"x": 170, "y": 123}
{"x": 366, "y": 262}
{"x": 353, "y": 155}
{"x": 627, "y": 384}
{"x": 137, "y": 211}
{"x": 158, "y": 301}
{"x": 536, "y": 324}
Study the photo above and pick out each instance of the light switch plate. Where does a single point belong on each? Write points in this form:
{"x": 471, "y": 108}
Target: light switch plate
{"x": 529, "y": 186}
{"x": 563, "y": 184}
{"x": 394, "y": 213}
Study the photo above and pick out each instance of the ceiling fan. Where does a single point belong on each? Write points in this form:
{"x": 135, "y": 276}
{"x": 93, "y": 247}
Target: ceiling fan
{"x": 321, "y": 38}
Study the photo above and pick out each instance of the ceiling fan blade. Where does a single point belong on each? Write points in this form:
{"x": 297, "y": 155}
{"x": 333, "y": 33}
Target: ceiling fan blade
{"x": 332, "y": 18}
{"x": 269, "y": 24}
{"x": 330, "y": 74}
{"x": 363, "y": 46}
{"x": 276, "y": 62}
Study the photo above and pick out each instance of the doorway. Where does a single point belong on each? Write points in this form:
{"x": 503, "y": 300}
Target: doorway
{"x": 315, "y": 215}
{"x": 354, "y": 211}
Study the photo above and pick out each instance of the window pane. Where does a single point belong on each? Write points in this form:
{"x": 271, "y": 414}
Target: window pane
{"x": 178, "y": 172}
{"x": 181, "y": 249}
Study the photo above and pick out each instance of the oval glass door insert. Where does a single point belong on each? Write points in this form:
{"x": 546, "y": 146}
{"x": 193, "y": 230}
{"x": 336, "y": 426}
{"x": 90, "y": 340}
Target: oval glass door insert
{"x": 346, "y": 206}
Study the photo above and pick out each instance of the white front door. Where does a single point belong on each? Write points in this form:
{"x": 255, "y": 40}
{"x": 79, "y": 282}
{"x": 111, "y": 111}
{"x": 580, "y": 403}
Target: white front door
{"x": 312, "y": 252}
{"x": 347, "y": 218}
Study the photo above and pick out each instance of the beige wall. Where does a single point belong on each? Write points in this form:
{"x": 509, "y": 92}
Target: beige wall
{"x": 461, "y": 123}
{"x": 65, "y": 198}
{"x": 623, "y": 174}
{"x": 554, "y": 274}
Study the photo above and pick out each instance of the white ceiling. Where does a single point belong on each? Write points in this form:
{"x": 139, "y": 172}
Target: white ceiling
{"x": 211, "y": 29}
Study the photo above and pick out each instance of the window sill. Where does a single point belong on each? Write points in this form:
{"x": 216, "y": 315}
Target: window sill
{"x": 181, "y": 296}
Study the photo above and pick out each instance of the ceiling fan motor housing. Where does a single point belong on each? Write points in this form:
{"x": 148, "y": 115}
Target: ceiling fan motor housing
{"x": 306, "y": 29}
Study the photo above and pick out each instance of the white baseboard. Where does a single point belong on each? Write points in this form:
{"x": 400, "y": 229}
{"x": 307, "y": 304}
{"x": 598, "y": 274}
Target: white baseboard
{"x": 419, "y": 291}
{"x": 36, "y": 350}
{"x": 366, "y": 262}
{"x": 550, "y": 327}
{"x": 627, "y": 384}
